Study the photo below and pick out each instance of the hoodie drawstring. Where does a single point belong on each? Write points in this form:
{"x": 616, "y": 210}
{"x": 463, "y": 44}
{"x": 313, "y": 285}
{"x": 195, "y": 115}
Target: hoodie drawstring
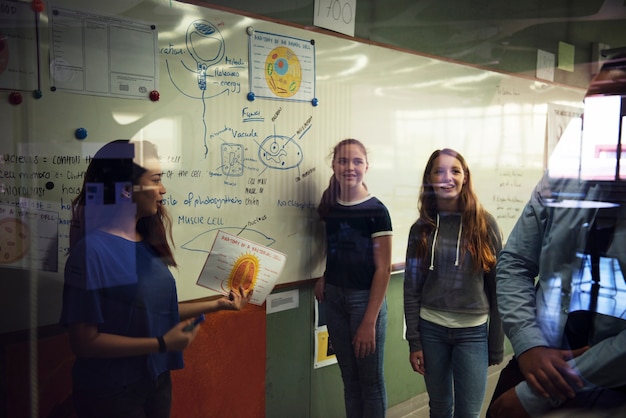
{"x": 432, "y": 248}
{"x": 458, "y": 244}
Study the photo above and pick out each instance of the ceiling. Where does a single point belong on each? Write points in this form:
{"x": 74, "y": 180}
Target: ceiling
{"x": 499, "y": 34}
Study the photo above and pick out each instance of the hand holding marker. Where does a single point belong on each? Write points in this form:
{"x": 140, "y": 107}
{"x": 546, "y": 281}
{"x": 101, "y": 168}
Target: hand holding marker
{"x": 194, "y": 324}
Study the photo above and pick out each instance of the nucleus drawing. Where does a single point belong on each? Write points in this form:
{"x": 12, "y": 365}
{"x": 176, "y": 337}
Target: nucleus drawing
{"x": 280, "y": 152}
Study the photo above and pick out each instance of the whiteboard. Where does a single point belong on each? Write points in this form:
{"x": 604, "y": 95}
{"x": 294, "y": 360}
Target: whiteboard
{"x": 213, "y": 140}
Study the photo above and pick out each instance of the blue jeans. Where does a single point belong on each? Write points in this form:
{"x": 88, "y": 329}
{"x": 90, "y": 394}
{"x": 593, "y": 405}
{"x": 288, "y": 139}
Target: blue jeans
{"x": 363, "y": 380}
{"x": 456, "y": 361}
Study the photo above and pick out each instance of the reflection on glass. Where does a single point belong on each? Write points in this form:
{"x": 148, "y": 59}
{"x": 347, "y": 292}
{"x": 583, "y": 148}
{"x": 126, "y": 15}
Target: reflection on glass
{"x": 592, "y": 153}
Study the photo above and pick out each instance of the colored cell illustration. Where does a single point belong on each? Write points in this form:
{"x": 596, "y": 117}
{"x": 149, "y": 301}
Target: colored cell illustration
{"x": 283, "y": 72}
{"x": 234, "y": 262}
{"x": 15, "y": 241}
{"x": 244, "y": 273}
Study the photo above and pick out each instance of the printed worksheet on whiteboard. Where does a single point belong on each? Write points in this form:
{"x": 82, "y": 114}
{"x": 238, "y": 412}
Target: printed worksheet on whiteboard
{"x": 102, "y": 55}
{"x": 235, "y": 262}
{"x": 19, "y": 69}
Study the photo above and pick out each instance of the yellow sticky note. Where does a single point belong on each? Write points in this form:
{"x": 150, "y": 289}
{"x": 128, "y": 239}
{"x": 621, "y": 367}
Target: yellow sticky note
{"x": 566, "y": 57}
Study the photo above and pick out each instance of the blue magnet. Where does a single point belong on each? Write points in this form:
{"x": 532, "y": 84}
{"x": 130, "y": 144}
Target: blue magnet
{"x": 251, "y": 96}
{"x": 314, "y": 101}
{"x": 80, "y": 133}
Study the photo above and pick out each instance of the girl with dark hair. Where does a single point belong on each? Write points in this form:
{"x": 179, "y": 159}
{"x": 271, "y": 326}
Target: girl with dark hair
{"x": 453, "y": 327}
{"x": 358, "y": 267}
{"x": 120, "y": 302}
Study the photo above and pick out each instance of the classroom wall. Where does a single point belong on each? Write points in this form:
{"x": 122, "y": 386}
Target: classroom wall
{"x": 224, "y": 374}
{"x": 246, "y": 365}
{"x": 401, "y": 104}
{"x": 295, "y": 388}
{"x": 241, "y": 365}
{"x": 217, "y": 145}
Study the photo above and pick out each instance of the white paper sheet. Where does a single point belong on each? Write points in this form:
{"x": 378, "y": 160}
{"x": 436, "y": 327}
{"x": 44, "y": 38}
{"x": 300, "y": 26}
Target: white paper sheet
{"x": 235, "y": 261}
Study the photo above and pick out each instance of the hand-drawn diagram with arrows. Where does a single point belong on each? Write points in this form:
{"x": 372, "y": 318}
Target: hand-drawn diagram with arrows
{"x": 205, "y": 50}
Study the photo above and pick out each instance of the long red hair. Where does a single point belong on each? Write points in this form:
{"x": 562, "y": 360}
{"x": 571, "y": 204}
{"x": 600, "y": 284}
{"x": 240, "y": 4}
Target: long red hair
{"x": 477, "y": 234}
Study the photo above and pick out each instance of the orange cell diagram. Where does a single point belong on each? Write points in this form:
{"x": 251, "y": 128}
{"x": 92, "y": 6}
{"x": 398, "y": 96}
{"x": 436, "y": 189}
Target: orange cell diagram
{"x": 283, "y": 73}
{"x": 244, "y": 273}
{"x": 14, "y": 240}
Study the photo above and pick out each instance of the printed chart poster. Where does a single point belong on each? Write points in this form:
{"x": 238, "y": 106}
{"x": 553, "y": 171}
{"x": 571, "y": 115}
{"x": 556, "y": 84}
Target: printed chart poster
{"x": 324, "y": 353}
{"x": 28, "y": 238}
{"x": 235, "y": 262}
{"x": 102, "y": 55}
{"x": 281, "y": 67}
{"x": 18, "y": 46}
{"x": 559, "y": 118}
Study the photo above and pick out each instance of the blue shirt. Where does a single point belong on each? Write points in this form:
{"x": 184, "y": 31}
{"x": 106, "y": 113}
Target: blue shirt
{"x": 125, "y": 289}
{"x": 551, "y": 241}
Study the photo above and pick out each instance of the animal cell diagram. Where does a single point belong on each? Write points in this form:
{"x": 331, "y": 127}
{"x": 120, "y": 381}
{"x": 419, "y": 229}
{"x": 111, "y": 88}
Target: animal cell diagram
{"x": 280, "y": 152}
{"x": 276, "y": 152}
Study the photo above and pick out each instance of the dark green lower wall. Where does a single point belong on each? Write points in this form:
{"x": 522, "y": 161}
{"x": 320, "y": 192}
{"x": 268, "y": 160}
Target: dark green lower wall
{"x": 295, "y": 389}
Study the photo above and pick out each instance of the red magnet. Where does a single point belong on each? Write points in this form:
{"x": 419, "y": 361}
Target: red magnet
{"x": 38, "y": 6}
{"x": 154, "y": 95}
{"x": 15, "y": 98}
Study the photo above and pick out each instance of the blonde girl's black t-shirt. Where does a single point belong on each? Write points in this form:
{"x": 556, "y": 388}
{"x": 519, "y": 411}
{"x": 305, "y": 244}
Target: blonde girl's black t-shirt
{"x": 350, "y": 229}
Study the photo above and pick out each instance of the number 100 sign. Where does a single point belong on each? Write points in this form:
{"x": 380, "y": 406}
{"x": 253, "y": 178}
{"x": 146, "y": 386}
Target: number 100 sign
{"x": 336, "y": 15}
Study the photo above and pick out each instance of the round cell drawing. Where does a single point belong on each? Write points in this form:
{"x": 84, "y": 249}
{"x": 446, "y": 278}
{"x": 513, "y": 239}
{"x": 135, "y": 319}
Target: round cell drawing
{"x": 205, "y": 42}
{"x": 280, "y": 152}
{"x": 244, "y": 273}
{"x": 206, "y": 46}
{"x": 14, "y": 240}
{"x": 283, "y": 73}
{"x": 4, "y": 52}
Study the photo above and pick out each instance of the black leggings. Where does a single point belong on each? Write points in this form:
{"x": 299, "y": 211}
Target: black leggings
{"x": 144, "y": 399}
